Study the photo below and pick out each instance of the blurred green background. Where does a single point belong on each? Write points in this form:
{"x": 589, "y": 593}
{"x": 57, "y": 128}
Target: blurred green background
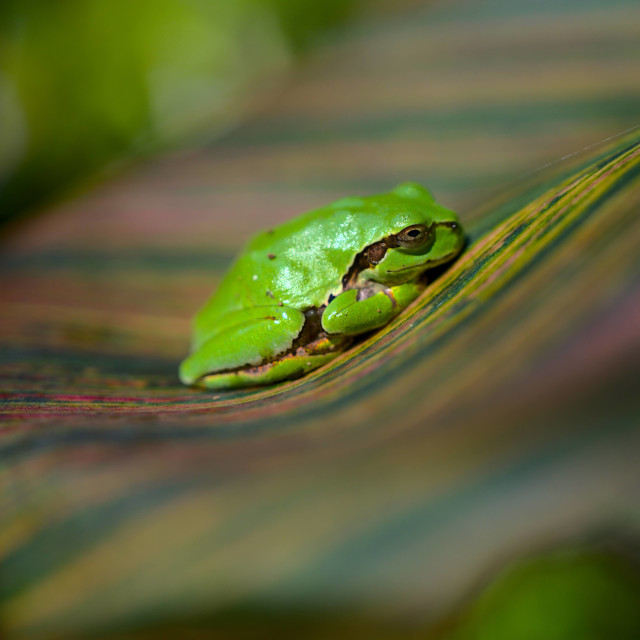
{"x": 85, "y": 84}
{"x": 589, "y": 594}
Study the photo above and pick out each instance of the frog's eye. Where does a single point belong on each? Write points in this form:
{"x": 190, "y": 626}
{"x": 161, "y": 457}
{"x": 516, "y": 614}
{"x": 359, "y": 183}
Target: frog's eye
{"x": 414, "y": 236}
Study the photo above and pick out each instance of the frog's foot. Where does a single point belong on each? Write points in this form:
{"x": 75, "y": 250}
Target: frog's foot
{"x": 357, "y": 311}
{"x": 265, "y": 345}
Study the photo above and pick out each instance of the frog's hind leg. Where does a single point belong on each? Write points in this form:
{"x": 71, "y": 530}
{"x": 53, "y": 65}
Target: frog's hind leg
{"x": 250, "y": 337}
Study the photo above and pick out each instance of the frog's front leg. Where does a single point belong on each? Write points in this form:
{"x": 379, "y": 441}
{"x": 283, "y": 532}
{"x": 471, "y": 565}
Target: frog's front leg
{"x": 249, "y": 338}
{"x": 350, "y": 313}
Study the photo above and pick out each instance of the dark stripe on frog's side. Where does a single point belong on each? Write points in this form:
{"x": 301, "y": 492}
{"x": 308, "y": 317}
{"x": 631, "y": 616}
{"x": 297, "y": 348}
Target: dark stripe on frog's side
{"x": 368, "y": 257}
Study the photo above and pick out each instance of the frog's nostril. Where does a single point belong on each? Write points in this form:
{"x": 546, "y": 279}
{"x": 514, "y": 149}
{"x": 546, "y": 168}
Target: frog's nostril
{"x": 453, "y": 226}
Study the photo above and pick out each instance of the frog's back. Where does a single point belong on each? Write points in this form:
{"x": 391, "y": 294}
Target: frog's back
{"x": 301, "y": 262}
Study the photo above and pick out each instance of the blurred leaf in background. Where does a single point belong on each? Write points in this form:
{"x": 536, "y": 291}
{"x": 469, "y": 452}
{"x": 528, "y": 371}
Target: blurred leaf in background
{"x": 84, "y": 83}
{"x": 565, "y": 595}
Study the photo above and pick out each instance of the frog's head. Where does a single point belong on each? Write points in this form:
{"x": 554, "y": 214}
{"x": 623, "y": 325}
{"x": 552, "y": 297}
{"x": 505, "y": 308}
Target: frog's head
{"x": 422, "y": 234}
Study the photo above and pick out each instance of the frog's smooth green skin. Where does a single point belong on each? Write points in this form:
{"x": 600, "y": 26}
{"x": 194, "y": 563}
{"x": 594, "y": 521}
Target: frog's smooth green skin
{"x": 297, "y": 295}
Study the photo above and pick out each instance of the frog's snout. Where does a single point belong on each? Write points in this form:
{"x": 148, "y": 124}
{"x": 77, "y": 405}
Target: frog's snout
{"x": 454, "y": 238}
{"x": 456, "y": 228}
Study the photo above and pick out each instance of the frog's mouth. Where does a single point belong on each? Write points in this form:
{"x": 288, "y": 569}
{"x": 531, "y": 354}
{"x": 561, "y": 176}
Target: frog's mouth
{"x": 429, "y": 264}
